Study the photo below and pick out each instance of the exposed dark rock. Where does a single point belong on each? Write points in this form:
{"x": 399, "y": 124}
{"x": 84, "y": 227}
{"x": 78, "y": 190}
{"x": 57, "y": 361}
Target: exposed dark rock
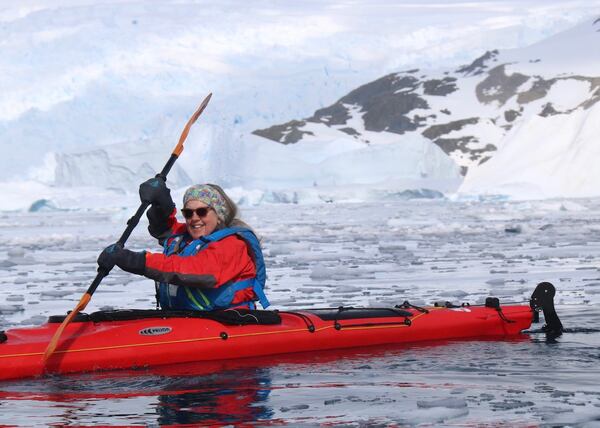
{"x": 451, "y": 145}
{"x": 420, "y": 120}
{"x": 549, "y": 110}
{"x": 479, "y": 65}
{"x": 511, "y": 115}
{"x": 498, "y": 86}
{"x": 538, "y": 90}
{"x": 288, "y": 133}
{"x": 436, "y": 131}
{"x": 440, "y": 87}
{"x": 596, "y": 96}
{"x": 371, "y": 93}
{"x": 336, "y": 114}
{"x": 386, "y": 102}
{"x": 350, "y": 131}
{"x": 477, "y": 154}
{"x": 388, "y": 112}
{"x": 445, "y": 111}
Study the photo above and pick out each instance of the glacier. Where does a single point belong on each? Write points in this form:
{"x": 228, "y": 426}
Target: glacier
{"x": 92, "y": 87}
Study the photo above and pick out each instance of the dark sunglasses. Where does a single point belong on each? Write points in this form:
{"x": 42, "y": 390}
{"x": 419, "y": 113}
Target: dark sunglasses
{"x": 200, "y": 212}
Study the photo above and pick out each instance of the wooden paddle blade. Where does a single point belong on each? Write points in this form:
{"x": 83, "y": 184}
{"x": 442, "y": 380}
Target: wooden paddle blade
{"x": 179, "y": 147}
{"x": 85, "y": 299}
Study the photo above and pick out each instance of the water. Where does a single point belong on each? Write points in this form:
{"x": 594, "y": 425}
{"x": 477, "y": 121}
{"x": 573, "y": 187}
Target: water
{"x": 367, "y": 254}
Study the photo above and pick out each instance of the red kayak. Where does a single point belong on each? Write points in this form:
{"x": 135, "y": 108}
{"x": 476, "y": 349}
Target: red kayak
{"x": 126, "y": 339}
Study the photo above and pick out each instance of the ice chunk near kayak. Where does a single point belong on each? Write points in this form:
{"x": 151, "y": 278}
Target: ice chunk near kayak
{"x": 17, "y": 256}
{"x": 7, "y": 264}
{"x": 52, "y": 294}
{"x": 338, "y": 273}
{"x": 34, "y": 320}
{"x": 10, "y": 309}
{"x": 454, "y": 293}
{"x": 436, "y": 415}
{"x": 450, "y": 403}
{"x": 15, "y": 252}
{"x": 287, "y": 248}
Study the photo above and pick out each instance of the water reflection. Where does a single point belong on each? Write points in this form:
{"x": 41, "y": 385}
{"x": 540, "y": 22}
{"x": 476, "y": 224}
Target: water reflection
{"x": 233, "y": 392}
{"x": 212, "y": 393}
{"x": 235, "y": 397}
{"x": 519, "y": 381}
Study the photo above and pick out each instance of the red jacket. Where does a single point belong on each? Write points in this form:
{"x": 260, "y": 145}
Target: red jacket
{"x": 220, "y": 262}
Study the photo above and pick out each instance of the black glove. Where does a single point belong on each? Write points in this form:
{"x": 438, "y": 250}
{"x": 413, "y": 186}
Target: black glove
{"x": 158, "y": 222}
{"x": 130, "y": 261}
{"x": 156, "y": 192}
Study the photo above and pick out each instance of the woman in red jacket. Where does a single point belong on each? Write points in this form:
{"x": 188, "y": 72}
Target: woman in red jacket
{"x": 212, "y": 261}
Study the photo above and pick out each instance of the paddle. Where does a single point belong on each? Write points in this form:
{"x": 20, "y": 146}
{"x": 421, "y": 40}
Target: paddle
{"x": 131, "y": 224}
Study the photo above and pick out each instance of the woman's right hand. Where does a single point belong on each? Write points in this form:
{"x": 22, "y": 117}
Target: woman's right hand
{"x": 155, "y": 192}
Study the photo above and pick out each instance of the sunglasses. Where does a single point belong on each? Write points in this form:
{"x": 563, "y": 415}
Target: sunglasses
{"x": 200, "y": 212}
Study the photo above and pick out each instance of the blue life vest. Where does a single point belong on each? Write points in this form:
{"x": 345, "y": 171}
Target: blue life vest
{"x": 180, "y": 297}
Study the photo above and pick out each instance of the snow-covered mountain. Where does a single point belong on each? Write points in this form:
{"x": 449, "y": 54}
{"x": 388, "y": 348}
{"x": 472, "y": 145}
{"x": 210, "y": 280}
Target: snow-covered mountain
{"x": 508, "y": 119}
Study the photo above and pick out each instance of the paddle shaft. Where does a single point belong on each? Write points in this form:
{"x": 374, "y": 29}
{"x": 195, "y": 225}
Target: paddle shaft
{"x": 131, "y": 224}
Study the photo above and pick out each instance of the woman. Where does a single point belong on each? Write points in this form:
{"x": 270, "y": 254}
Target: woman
{"x": 213, "y": 261}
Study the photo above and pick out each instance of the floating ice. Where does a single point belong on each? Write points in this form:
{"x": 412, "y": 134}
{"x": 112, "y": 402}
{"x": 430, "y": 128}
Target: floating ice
{"x": 56, "y": 293}
{"x": 10, "y": 309}
{"x": 43, "y": 205}
{"x": 449, "y": 403}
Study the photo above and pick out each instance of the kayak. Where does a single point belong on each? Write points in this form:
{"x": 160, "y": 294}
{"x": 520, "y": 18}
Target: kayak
{"x": 133, "y": 339}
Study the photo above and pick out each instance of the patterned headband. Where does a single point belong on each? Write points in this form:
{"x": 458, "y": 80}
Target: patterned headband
{"x": 210, "y": 196}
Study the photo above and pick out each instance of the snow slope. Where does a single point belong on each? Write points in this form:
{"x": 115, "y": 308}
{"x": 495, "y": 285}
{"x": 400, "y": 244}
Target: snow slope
{"x": 545, "y": 157}
{"x": 552, "y": 155}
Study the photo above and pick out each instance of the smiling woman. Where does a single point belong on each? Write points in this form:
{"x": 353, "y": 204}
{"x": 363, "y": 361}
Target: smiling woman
{"x": 213, "y": 261}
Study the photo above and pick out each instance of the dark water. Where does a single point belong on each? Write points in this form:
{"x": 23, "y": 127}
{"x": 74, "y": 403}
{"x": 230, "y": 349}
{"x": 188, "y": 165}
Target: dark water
{"x": 524, "y": 381}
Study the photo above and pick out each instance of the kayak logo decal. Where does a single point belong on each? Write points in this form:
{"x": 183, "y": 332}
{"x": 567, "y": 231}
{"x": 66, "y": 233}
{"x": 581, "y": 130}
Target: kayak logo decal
{"x": 155, "y": 331}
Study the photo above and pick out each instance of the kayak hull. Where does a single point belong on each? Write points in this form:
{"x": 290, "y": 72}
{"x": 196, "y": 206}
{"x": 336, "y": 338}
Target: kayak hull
{"x": 87, "y": 346}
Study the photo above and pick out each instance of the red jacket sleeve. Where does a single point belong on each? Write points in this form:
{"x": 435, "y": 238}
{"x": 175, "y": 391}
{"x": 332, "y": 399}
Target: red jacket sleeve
{"x": 219, "y": 263}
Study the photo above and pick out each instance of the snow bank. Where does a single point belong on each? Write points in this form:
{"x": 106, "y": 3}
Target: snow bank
{"x": 34, "y": 196}
{"x": 544, "y": 157}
